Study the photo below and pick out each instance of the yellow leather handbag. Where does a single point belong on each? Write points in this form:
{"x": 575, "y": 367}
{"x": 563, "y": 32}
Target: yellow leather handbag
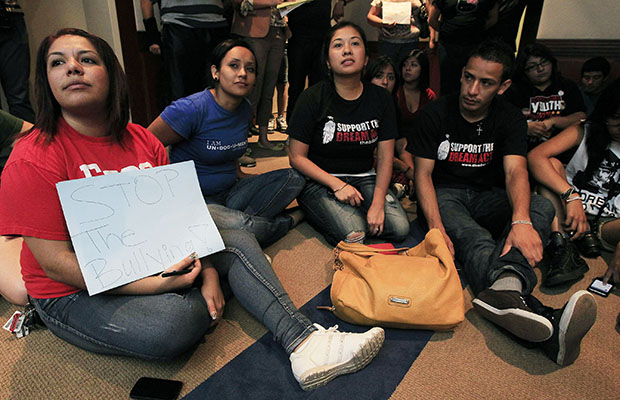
{"x": 398, "y": 288}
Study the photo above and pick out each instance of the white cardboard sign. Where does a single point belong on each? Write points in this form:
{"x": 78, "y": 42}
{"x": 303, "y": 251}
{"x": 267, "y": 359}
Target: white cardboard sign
{"x": 134, "y": 224}
{"x": 399, "y": 12}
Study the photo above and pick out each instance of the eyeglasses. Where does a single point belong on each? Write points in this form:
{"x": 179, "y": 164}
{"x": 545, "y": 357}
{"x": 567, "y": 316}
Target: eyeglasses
{"x": 532, "y": 67}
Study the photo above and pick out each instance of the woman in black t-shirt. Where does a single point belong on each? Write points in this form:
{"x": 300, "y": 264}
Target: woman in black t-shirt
{"x": 334, "y": 130}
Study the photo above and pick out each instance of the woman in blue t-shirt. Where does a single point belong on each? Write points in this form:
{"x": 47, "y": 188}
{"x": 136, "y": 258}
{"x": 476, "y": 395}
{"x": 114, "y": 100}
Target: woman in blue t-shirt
{"x": 210, "y": 128}
{"x": 335, "y": 128}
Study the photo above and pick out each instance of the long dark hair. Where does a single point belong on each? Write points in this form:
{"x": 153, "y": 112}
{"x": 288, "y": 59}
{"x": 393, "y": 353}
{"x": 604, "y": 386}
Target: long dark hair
{"x": 48, "y": 109}
{"x": 598, "y": 138}
{"x": 376, "y": 65}
{"x": 423, "y": 80}
{"x": 534, "y": 50}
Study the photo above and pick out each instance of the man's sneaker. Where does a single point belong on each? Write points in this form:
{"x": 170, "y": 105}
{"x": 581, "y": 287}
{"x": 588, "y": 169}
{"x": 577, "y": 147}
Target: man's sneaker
{"x": 570, "y": 325}
{"x": 563, "y": 262}
{"x": 281, "y": 123}
{"x": 247, "y": 161}
{"x": 254, "y": 130}
{"x": 509, "y": 310}
{"x": 271, "y": 125}
{"x": 330, "y": 353}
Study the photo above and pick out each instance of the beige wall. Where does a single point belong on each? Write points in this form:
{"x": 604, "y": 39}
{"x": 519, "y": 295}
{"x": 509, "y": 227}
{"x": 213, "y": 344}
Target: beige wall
{"x": 95, "y": 16}
{"x": 584, "y": 19}
{"x": 46, "y": 17}
{"x": 561, "y": 19}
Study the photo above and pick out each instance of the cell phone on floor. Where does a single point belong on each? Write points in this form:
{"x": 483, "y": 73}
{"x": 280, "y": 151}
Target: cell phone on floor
{"x": 598, "y": 287}
{"x": 155, "y": 389}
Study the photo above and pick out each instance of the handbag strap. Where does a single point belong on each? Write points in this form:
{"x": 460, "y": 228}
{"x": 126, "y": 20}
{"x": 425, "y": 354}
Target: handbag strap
{"x": 361, "y": 249}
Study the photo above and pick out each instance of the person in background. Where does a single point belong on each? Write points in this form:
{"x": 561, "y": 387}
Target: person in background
{"x": 335, "y": 129}
{"x": 189, "y": 28}
{"x": 462, "y": 25}
{"x": 586, "y": 194}
{"x": 395, "y": 40}
{"x": 81, "y": 130}
{"x": 413, "y": 93}
{"x": 594, "y": 73}
{"x": 11, "y": 283}
{"x": 550, "y": 102}
{"x": 261, "y": 24}
{"x": 381, "y": 71}
{"x": 210, "y": 128}
{"x": 279, "y": 122}
{"x": 509, "y": 17}
{"x": 309, "y": 23}
{"x": 15, "y": 60}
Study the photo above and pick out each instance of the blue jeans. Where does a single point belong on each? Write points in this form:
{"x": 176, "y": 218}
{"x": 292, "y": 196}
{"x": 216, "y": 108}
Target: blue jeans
{"x": 478, "y": 223}
{"x": 166, "y": 325}
{"x": 255, "y": 204}
{"x": 336, "y": 220}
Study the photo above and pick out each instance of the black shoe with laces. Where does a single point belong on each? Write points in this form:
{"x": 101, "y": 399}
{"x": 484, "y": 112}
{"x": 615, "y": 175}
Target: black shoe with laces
{"x": 563, "y": 262}
{"x": 509, "y": 310}
{"x": 570, "y": 325}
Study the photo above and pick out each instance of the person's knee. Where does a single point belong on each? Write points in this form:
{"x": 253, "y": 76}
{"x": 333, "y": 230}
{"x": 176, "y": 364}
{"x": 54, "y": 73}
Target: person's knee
{"x": 181, "y": 326}
{"x": 542, "y": 207}
{"x": 295, "y": 178}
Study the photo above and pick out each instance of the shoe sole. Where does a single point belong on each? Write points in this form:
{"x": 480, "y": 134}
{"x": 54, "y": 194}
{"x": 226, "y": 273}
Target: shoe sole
{"x": 521, "y": 323}
{"x": 577, "y": 319}
{"x": 318, "y": 377}
{"x": 567, "y": 277}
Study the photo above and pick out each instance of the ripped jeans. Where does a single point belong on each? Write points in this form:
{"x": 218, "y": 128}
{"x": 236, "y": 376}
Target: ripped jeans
{"x": 166, "y": 325}
{"x": 337, "y": 220}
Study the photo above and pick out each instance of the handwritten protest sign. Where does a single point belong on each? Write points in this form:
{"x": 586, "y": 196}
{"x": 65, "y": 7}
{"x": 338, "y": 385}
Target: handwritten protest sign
{"x": 137, "y": 223}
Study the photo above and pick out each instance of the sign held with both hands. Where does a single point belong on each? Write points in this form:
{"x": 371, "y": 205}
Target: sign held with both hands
{"x": 130, "y": 225}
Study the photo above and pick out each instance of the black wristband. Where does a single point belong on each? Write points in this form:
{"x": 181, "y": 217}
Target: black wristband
{"x": 152, "y": 33}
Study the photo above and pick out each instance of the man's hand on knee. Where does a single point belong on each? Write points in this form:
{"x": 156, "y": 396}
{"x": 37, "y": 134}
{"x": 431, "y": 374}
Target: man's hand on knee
{"x": 526, "y": 239}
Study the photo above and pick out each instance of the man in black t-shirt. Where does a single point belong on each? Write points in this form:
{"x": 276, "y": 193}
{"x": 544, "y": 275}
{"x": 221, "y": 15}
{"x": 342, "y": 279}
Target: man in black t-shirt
{"x": 472, "y": 184}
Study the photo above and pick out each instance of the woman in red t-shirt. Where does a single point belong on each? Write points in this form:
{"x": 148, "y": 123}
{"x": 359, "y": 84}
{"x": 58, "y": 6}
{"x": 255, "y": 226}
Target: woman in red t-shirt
{"x": 82, "y": 130}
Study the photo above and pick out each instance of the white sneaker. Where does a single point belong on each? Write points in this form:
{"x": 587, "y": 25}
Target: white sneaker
{"x": 330, "y": 353}
{"x": 281, "y": 124}
{"x": 271, "y": 125}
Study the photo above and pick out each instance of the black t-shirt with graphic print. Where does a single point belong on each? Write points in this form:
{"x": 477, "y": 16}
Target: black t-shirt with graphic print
{"x": 468, "y": 155}
{"x": 561, "y": 98}
{"x": 342, "y": 135}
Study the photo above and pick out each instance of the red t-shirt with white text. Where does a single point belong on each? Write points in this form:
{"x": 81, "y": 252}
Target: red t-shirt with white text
{"x": 29, "y": 203}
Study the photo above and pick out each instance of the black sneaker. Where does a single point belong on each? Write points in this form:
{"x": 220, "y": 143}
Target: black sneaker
{"x": 508, "y": 309}
{"x": 563, "y": 262}
{"x": 247, "y": 161}
{"x": 570, "y": 325}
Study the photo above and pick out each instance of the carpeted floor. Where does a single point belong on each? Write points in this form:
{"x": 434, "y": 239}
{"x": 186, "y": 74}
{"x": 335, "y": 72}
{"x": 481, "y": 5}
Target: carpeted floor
{"x": 239, "y": 359}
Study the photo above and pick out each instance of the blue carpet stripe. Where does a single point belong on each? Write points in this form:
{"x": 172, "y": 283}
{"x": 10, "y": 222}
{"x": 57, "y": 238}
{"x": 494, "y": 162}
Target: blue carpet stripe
{"x": 263, "y": 370}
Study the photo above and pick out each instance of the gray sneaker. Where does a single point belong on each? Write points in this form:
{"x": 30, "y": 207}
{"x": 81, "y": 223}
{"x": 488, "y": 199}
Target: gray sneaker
{"x": 508, "y": 309}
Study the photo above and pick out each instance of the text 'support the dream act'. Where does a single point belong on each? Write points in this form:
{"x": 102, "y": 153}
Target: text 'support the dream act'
{"x": 129, "y": 225}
